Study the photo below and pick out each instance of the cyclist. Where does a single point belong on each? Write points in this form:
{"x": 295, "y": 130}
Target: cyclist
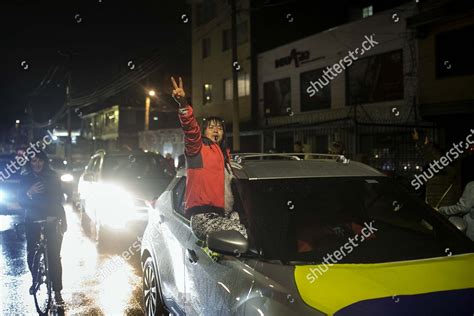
{"x": 40, "y": 196}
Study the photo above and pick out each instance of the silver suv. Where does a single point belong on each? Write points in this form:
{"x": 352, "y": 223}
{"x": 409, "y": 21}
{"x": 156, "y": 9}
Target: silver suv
{"x": 327, "y": 236}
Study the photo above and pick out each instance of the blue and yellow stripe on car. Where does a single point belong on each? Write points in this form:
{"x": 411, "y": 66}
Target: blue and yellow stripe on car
{"x": 383, "y": 288}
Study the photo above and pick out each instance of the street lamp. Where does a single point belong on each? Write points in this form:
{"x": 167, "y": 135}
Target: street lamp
{"x": 151, "y": 93}
{"x": 17, "y": 121}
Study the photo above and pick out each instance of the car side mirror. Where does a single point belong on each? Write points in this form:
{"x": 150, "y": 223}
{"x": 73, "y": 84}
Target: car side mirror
{"x": 459, "y": 222}
{"x": 89, "y": 177}
{"x": 227, "y": 242}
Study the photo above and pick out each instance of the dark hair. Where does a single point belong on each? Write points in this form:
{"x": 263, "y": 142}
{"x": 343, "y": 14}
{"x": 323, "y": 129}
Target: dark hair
{"x": 43, "y": 156}
{"x": 223, "y": 145}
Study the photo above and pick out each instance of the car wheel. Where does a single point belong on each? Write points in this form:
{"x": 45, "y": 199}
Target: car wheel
{"x": 151, "y": 290}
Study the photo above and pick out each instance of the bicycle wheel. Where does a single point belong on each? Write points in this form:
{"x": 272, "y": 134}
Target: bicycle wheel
{"x": 42, "y": 282}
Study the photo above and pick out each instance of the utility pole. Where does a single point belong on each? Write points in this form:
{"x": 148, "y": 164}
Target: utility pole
{"x": 68, "y": 108}
{"x": 235, "y": 87}
{"x": 147, "y": 113}
{"x": 29, "y": 109}
{"x": 69, "y": 127}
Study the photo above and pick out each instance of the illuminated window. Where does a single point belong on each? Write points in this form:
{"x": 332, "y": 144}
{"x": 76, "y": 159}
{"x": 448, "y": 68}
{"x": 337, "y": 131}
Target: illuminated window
{"x": 207, "y": 93}
{"x": 367, "y": 11}
{"x": 243, "y": 83}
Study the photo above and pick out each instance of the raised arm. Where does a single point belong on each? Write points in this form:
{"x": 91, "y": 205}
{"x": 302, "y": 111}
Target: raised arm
{"x": 192, "y": 132}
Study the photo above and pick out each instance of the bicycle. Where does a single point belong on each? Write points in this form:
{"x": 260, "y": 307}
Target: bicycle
{"x": 42, "y": 284}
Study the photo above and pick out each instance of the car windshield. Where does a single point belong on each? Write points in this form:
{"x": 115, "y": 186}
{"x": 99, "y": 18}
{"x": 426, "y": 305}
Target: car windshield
{"x": 135, "y": 167}
{"x": 367, "y": 220}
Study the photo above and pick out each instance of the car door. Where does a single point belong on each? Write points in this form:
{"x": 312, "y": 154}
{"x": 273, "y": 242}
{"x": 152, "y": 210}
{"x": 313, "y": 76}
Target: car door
{"x": 84, "y": 182}
{"x": 211, "y": 283}
{"x": 170, "y": 254}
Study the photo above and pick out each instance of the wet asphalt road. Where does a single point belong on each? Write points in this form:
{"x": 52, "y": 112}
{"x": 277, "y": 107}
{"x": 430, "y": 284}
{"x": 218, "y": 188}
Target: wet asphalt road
{"x": 117, "y": 290}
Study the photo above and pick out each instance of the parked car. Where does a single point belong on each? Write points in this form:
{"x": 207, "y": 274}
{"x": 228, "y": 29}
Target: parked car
{"x": 114, "y": 190}
{"x": 9, "y": 185}
{"x": 327, "y": 236}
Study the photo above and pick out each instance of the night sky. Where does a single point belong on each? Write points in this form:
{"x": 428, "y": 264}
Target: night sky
{"x": 101, "y": 37}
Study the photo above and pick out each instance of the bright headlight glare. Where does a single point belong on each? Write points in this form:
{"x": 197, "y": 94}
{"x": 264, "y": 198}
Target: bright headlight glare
{"x": 116, "y": 205}
{"x": 67, "y": 177}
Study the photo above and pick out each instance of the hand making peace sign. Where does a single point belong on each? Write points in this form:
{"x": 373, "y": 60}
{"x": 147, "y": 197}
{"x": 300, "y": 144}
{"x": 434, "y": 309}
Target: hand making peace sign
{"x": 178, "y": 91}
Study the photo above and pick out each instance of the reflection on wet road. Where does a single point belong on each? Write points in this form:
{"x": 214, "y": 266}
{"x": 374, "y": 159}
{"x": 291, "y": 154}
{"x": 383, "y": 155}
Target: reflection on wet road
{"x": 87, "y": 291}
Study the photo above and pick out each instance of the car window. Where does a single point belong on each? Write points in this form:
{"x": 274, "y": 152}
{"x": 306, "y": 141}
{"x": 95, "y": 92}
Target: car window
{"x": 96, "y": 165}
{"x": 305, "y": 219}
{"x": 135, "y": 167}
{"x": 178, "y": 196}
{"x": 89, "y": 165}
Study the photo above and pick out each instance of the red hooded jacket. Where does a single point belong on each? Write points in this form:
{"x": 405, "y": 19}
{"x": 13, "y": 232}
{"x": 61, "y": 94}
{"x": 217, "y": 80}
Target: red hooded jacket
{"x": 205, "y": 166}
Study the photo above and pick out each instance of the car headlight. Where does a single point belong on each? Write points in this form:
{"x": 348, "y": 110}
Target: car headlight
{"x": 117, "y": 206}
{"x": 67, "y": 177}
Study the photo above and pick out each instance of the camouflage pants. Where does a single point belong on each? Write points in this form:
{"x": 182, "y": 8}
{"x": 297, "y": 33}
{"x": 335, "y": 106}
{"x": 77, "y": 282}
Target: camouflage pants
{"x": 205, "y": 223}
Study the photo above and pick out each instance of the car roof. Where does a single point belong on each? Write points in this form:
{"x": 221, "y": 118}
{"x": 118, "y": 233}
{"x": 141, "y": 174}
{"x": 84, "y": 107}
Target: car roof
{"x": 126, "y": 154}
{"x": 314, "y": 168}
{"x": 280, "y": 166}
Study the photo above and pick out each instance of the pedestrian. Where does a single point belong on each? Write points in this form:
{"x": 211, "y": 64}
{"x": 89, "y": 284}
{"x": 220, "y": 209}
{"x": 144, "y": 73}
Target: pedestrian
{"x": 208, "y": 197}
{"x": 445, "y": 180}
{"x": 170, "y": 161}
{"x": 465, "y": 207}
{"x": 298, "y": 148}
{"x": 41, "y": 197}
{"x": 181, "y": 161}
{"x": 336, "y": 148}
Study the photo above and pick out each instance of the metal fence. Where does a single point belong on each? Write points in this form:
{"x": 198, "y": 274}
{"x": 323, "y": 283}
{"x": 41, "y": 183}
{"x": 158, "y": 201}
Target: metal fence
{"x": 387, "y": 147}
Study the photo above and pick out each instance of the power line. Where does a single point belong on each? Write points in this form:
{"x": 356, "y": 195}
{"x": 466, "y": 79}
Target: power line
{"x": 145, "y": 69}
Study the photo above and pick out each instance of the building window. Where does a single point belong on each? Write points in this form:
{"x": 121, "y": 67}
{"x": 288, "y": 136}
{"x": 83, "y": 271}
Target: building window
{"x": 206, "y": 47}
{"x": 321, "y": 99}
{"x": 454, "y": 53}
{"x": 205, "y": 12}
{"x": 242, "y": 33}
{"x": 225, "y": 40}
{"x": 375, "y": 79}
{"x": 242, "y": 36}
{"x": 228, "y": 92}
{"x": 367, "y": 11}
{"x": 207, "y": 93}
{"x": 277, "y": 97}
{"x": 243, "y": 83}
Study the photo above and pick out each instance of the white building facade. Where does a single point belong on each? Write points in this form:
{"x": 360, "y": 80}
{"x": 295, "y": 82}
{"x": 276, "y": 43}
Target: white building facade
{"x": 362, "y": 72}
